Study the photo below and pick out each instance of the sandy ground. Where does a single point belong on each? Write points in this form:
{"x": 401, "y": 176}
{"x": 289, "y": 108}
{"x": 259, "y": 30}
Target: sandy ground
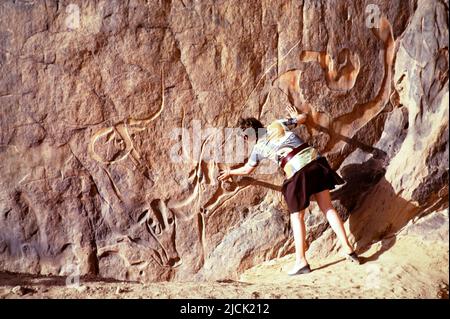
{"x": 411, "y": 268}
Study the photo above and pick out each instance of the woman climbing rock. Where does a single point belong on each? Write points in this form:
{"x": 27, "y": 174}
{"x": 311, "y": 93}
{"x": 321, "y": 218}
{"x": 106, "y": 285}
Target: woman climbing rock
{"x": 308, "y": 176}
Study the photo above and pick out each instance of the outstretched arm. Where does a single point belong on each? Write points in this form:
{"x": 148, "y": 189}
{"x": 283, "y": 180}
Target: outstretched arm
{"x": 244, "y": 170}
{"x": 294, "y": 113}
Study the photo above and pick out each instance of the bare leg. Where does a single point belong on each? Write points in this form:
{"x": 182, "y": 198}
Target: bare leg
{"x": 324, "y": 201}
{"x": 299, "y": 230}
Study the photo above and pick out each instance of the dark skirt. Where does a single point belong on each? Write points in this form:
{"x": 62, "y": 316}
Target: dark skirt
{"x": 315, "y": 177}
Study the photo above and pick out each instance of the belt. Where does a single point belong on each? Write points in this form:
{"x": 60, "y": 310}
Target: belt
{"x": 292, "y": 153}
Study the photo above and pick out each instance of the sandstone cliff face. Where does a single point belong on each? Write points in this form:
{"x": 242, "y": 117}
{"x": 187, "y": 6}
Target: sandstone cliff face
{"x": 90, "y": 92}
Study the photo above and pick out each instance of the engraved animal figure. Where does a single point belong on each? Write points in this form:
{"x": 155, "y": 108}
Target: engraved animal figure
{"x": 191, "y": 207}
{"x": 156, "y": 221}
{"x": 340, "y": 74}
{"x": 160, "y": 222}
{"x": 118, "y": 138}
{"x": 114, "y": 144}
{"x": 341, "y": 77}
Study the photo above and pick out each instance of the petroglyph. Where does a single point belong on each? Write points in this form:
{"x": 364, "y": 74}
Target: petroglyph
{"x": 114, "y": 144}
{"x": 288, "y": 82}
{"x": 195, "y": 210}
{"x": 157, "y": 220}
{"x": 118, "y": 138}
{"x": 193, "y": 206}
{"x": 277, "y": 62}
{"x": 340, "y": 73}
{"x": 341, "y": 76}
{"x": 349, "y": 124}
{"x": 221, "y": 196}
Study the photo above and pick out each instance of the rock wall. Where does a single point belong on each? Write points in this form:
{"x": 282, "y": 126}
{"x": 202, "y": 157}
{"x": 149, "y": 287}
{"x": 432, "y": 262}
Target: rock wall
{"x": 91, "y": 92}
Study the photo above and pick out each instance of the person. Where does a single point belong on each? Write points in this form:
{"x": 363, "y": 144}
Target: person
{"x": 308, "y": 177}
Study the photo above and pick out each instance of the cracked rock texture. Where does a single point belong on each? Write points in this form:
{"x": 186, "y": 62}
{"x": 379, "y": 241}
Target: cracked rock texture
{"x": 90, "y": 92}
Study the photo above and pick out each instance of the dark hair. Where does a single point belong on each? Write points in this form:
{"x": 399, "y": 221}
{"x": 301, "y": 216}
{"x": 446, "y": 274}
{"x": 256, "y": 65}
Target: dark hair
{"x": 245, "y": 123}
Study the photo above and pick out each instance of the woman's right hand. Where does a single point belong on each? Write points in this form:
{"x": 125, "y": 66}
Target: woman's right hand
{"x": 225, "y": 174}
{"x": 293, "y": 112}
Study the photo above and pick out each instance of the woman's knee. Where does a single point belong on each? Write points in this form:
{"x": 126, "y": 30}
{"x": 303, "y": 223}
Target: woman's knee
{"x": 324, "y": 201}
{"x": 298, "y": 215}
{"x": 327, "y": 211}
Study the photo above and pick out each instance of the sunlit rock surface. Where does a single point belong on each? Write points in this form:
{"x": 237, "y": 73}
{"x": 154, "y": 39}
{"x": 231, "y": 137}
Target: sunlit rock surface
{"x": 88, "y": 107}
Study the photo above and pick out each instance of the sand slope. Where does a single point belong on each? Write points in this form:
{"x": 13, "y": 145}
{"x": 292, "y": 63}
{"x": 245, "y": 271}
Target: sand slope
{"x": 411, "y": 268}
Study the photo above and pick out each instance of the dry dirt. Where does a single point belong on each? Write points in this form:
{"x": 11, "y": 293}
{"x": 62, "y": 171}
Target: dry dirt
{"x": 409, "y": 268}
